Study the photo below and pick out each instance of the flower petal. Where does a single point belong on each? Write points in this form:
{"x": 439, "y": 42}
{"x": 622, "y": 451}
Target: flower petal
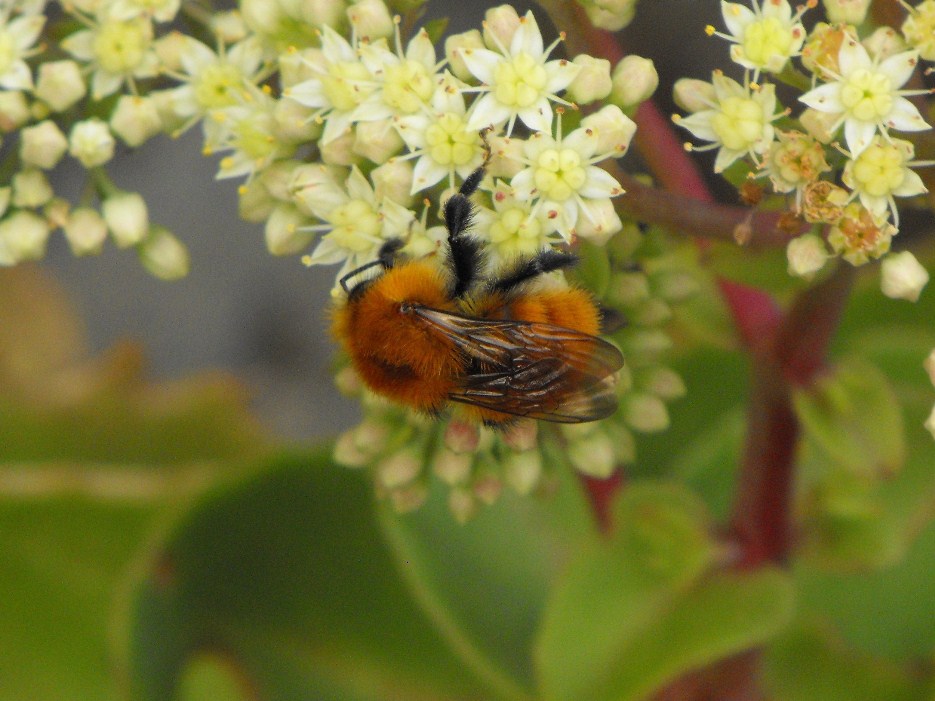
{"x": 911, "y": 185}
{"x": 600, "y": 184}
{"x": 422, "y": 50}
{"x": 858, "y": 135}
{"x": 824, "y": 98}
{"x": 853, "y": 56}
{"x": 481, "y": 63}
{"x": 560, "y": 74}
{"x": 487, "y": 112}
{"x": 905, "y": 117}
{"x": 537, "y": 116}
{"x": 899, "y": 67}
{"x": 17, "y": 77}
{"x": 527, "y": 38}
{"x": 426, "y": 173}
{"x": 736, "y": 17}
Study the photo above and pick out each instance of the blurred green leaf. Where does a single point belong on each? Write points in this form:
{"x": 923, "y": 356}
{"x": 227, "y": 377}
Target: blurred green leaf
{"x": 810, "y": 665}
{"x": 637, "y": 611}
{"x": 63, "y": 558}
{"x": 593, "y": 268}
{"x": 435, "y": 28}
{"x": 286, "y": 577}
{"x": 485, "y": 584}
{"x": 90, "y": 454}
{"x": 853, "y": 416}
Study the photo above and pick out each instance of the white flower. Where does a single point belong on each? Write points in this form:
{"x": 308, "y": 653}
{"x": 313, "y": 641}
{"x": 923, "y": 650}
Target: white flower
{"x": 634, "y": 80}
{"x": 406, "y": 81}
{"x": 865, "y": 95}
{"x": 883, "y": 171}
{"x": 929, "y": 365}
{"x": 340, "y": 91}
{"x": 919, "y": 28}
{"x": 16, "y": 39}
{"x": 519, "y": 81}
{"x": 930, "y": 423}
{"x": 846, "y": 11}
{"x": 159, "y": 10}
{"x": 739, "y": 121}
{"x": 440, "y": 139}
{"x": 902, "y": 276}
{"x": 248, "y": 131}
{"x": 213, "y": 81}
{"x": 511, "y": 229}
{"x": 118, "y": 50}
{"x": 764, "y": 38}
{"x": 356, "y": 221}
{"x": 564, "y": 182}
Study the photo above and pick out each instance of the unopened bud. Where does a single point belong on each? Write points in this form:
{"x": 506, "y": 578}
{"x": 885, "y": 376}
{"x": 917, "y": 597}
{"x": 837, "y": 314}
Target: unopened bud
{"x": 612, "y": 128}
{"x": 91, "y": 142}
{"x": 506, "y": 156}
{"x": 634, "y": 80}
{"x": 883, "y": 43}
{"x": 127, "y": 218}
{"x": 593, "y": 455}
{"x": 806, "y": 254}
{"x": 930, "y": 423}
{"x": 339, "y": 151}
{"x": 313, "y": 188}
{"x": 523, "y": 471}
{"x": 377, "y": 140}
{"x": 85, "y": 231}
{"x": 461, "y": 436}
{"x": 846, "y": 11}
{"x": 612, "y": 15}
{"x": 902, "y": 276}
{"x": 283, "y": 232}
{"x": 14, "y": 111}
{"x": 393, "y": 180}
{"x": 693, "y": 95}
{"x": 60, "y": 84}
{"x": 452, "y": 467}
{"x": 31, "y": 189}
{"x": 500, "y": 24}
{"x": 601, "y": 223}
{"x": 462, "y": 504}
{"x": 371, "y": 19}
{"x": 135, "y": 119}
{"x": 163, "y": 255}
{"x": 522, "y": 435}
{"x": 929, "y": 365}
{"x": 400, "y": 468}
{"x": 645, "y": 413}
{"x": 42, "y": 145}
{"x": 593, "y": 80}
{"x": 23, "y": 236}
{"x": 453, "y": 46}
{"x": 293, "y": 123}
{"x": 229, "y": 26}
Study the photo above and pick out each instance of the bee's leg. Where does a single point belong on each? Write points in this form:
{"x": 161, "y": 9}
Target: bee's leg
{"x": 466, "y": 258}
{"x": 386, "y": 258}
{"x": 543, "y": 262}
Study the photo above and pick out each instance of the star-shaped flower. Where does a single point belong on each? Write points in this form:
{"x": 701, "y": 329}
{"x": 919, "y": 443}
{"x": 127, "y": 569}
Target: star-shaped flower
{"x": 865, "y": 95}
{"x": 518, "y": 81}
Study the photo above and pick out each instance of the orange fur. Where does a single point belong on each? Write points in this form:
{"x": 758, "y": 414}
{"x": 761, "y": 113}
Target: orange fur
{"x": 400, "y": 356}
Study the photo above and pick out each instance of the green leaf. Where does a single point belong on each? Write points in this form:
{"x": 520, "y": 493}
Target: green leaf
{"x": 593, "y": 268}
{"x": 634, "y": 613}
{"x": 285, "y": 576}
{"x": 63, "y": 558}
{"x": 853, "y": 416}
{"x": 435, "y": 28}
{"x": 485, "y": 584}
{"x": 811, "y": 665}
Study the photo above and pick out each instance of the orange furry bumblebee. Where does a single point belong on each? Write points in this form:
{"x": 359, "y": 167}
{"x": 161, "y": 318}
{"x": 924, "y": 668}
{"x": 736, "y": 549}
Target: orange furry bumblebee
{"x": 424, "y": 336}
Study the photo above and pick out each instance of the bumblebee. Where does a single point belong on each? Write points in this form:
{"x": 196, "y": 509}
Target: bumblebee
{"x": 425, "y": 335}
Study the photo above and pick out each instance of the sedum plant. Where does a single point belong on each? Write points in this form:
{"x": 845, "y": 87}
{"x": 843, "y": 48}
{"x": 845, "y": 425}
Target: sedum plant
{"x": 766, "y": 481}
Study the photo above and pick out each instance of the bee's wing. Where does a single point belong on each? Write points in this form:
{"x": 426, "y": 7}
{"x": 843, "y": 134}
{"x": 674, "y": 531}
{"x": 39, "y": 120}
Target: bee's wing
{"x": 531, "y": 369}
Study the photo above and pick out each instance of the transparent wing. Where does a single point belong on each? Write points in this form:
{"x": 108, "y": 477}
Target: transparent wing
{"x": 531, "y": 369}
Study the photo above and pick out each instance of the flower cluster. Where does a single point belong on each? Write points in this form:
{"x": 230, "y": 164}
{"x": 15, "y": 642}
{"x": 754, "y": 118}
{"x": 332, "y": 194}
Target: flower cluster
{"x": 347, "y": 128}
{"x": 846, "y": 190}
